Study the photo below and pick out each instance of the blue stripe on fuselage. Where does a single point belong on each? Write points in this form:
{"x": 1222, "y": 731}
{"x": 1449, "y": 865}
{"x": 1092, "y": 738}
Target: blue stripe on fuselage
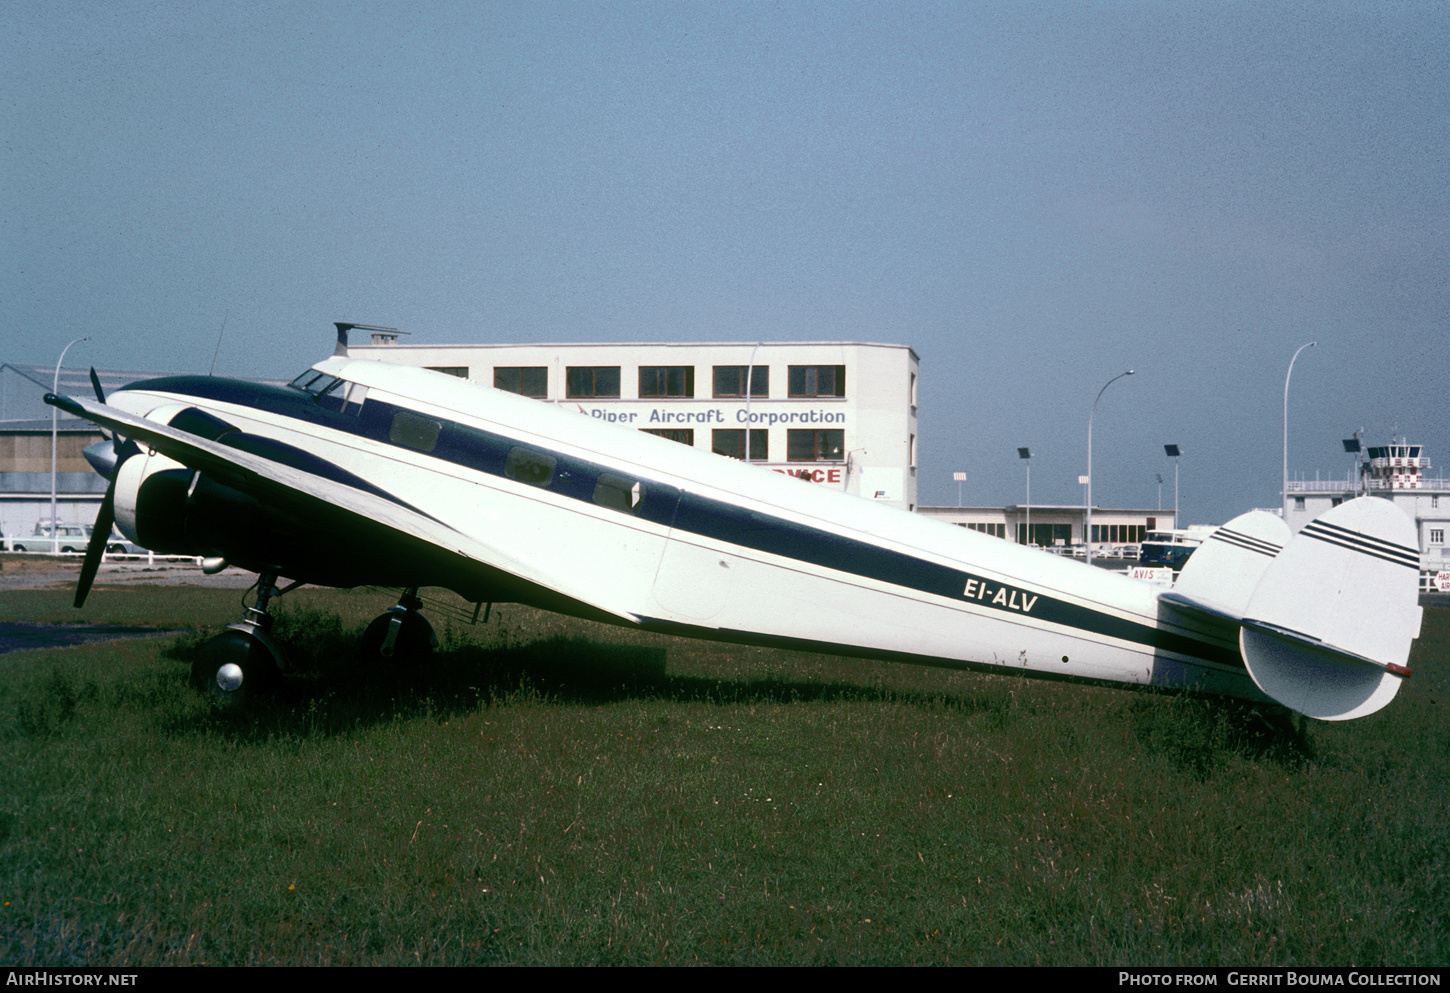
{"x": 666, "y": 505}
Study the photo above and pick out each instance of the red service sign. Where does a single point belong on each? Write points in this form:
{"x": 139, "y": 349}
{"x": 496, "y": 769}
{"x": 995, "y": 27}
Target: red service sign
{"x": 814, "y": 475}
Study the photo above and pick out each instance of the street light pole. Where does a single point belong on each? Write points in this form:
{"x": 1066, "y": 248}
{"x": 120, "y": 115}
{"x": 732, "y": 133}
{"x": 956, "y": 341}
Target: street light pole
{"x": 55, "y": 388}
{"x": 1088, "y": 526}
{"x": 1286, "y": 427}
{"x": 1026, "y": 453}
{"x": 1172, "y": 452}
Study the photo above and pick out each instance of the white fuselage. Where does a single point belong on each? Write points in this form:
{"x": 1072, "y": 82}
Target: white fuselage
{"x": 731, "y": 551}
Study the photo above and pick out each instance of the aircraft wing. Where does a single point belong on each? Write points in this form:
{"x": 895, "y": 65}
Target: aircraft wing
{"x": 308, "y": 493}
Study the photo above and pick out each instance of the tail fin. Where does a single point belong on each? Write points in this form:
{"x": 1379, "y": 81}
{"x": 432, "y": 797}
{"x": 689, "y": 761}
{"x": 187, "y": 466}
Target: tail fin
{"x": 1223, "y": 572}
{"x": 1327, "y": 630}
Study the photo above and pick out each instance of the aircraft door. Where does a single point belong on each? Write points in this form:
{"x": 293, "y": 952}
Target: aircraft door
{"x": 695, "y": 581}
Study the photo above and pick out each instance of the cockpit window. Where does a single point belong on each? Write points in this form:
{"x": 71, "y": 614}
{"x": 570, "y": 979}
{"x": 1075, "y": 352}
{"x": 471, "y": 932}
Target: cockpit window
{"x": 331, "y": 392}
{"x": 307, "y": 379}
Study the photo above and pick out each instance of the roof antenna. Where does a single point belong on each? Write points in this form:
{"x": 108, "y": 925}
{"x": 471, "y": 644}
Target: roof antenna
{"x": 219, "y": 334}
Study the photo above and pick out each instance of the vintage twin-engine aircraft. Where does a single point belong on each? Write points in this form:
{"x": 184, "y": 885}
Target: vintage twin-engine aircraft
{"x": 366, "y": 473}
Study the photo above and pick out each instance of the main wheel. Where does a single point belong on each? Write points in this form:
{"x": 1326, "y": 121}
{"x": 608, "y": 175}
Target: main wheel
{"x": 235, "y": 666}
{"x": 402, "y": 637}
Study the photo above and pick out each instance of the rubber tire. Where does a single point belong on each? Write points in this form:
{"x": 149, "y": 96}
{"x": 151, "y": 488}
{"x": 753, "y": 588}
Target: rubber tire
{"x": 414, "y": 643}
{"x": 260, "y": 673}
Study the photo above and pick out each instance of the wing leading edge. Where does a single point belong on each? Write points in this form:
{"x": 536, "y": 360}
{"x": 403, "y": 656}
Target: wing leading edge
{"x": 306, "y": 493}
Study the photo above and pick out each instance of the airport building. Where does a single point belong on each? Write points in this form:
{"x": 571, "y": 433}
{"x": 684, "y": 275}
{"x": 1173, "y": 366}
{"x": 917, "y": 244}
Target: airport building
{"x": 25, "y": 449}
{"x": 836, "y": 413}
{"x": 1397, "y": 473}
{"x": 1061, "y": 528}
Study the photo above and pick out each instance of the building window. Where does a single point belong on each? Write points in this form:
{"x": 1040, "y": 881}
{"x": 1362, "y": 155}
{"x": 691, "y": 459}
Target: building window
{"x": 996, "y": 530}
{"x": 1434, "y": 502}
{"x": 1335, "y": 501}
{"x": 730, "y": 380}
{"x": 527, "y": 381}
{"x": 1114, "y": 534}
{"x": 1437, "y": 536}
{"x": 685, "y": 436}
{"x": 817, "y": 381}
{"x": 666, "y": 381}
{"x": 585, "y": 382}
{"x": 461, "y": 371}
{"x": 1046, "y": 535}
{"x": 1298, "y": 503}
{"x": 730, "y": 442}
{"x": 815, "y": 446}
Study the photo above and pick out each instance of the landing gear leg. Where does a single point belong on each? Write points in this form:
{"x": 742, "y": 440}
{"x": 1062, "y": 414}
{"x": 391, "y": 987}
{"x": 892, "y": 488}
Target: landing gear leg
{"x": 242, "y": 661}
{"x": 401, "y": 635}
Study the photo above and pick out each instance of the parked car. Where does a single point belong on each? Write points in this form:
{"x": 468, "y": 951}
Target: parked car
{"x": 68, "y": 539}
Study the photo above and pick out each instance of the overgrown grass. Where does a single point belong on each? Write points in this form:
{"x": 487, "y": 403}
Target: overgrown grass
{"x": 548, "y": 791}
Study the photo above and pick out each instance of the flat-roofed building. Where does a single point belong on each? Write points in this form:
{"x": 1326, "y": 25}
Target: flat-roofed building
{"x": 839, "y": 414}
{"x": 1059, "y": 527}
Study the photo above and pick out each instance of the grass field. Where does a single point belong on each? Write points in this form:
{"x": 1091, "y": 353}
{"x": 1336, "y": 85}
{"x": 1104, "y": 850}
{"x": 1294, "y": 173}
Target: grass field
{"x": 547, "y": 791}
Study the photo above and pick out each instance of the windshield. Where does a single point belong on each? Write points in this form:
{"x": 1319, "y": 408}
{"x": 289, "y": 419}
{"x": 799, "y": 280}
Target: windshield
{"x": 331, "y": 392}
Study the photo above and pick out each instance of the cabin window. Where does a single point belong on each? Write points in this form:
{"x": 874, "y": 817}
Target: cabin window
{"x": 730, "y": 380}
{"x": 534, "y": 468}
{"x": 815, "y": 446}
{"x": 730, "y": 442}
{"x": 666, "y": 381}
{"x": 414, "y": 431}
{"x": 527, "y": 381}
{"x": 685, "y": 436}
{"x": 619, "y": 493}
{"x": 585, "y": 382}
{"x": 817, "y": 381}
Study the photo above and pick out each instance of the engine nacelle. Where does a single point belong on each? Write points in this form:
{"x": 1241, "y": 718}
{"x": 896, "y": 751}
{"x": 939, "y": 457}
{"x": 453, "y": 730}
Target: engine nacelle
{"x": 169, "y": 508}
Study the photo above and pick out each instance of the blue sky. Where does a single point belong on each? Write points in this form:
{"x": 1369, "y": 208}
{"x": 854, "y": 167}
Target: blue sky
{"x": 1033, "y": 196}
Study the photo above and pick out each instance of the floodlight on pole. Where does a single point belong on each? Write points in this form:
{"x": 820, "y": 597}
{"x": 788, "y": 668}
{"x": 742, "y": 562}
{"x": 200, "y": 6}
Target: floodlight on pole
{"x": 1286, "y": 426}
{"x": 1026, "y": 453}
{"x": 55, "y": 388}
{"x": 1172, "y": 452}
{"x": 1088, "y": 526}
{"x": 1351, "y": 447}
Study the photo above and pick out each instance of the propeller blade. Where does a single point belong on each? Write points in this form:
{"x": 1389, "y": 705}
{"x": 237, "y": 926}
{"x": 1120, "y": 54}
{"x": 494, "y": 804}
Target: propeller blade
{"x": 116, "y": 439}
{"x": 100, "y": 537}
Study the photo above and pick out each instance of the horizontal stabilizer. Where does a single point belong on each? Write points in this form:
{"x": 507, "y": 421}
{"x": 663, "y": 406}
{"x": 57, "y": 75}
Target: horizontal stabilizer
{"x": 1327, "y": 631}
